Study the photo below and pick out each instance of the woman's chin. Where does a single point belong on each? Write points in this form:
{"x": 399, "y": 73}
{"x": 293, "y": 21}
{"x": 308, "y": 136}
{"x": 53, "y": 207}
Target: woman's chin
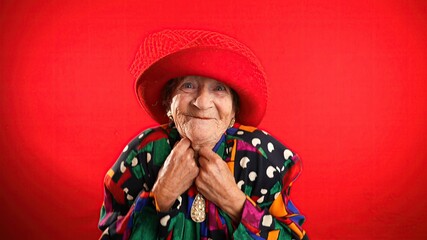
{"x": 206, "y": 136}
{"x": 203, "y": 135}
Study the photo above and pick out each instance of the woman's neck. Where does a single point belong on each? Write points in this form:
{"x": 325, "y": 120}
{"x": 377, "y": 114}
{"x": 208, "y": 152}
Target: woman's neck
{"x": 197, "y": 145}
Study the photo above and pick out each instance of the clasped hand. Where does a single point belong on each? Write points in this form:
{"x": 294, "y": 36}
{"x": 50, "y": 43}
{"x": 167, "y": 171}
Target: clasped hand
{"x": 210, "y": 174}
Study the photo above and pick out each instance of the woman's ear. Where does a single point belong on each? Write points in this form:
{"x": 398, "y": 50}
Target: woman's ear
{"x": 233, "y": 120}
{"x": 169, "y": 114}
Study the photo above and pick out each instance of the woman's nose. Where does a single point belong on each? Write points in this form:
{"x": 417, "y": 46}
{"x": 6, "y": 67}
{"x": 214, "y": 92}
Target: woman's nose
{"x": 204, "y": 99}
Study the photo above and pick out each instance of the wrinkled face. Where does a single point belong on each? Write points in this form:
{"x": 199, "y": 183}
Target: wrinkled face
{"x": 202, "y": 109}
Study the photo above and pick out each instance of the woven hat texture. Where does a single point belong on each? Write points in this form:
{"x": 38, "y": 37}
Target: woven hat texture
{"x": 176, "y": 53}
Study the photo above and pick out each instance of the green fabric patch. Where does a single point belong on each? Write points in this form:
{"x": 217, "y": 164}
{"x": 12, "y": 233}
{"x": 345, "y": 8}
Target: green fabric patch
{"x": 248, "y": 190}
{"x": 241, "y": 233}
{"x": 276, "y": 188}
{"x": 264, "y": 204}
{"x": 227, "y": 219}
{"x": 102, "y": 212}
{"x": 183, "y": 228}
{"x": 147, "y": 148}
{"x": 161, "y": 151}
{"x": 285, "y": 232}
{"x": 262, "y": 153}
{"x": 221, "y": 150}
{"x": 145, "y": 224}
{"x": 189, "y": 229}
{"x": 177, "y": 224}
{"x": 137, "y": 171}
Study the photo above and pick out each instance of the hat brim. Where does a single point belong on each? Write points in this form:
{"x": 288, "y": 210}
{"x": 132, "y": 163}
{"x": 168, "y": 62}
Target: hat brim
{"x": 229, "y": 67}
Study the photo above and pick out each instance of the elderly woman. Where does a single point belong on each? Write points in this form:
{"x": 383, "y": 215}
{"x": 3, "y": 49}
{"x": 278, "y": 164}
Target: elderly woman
{"x": 206, "y": 172}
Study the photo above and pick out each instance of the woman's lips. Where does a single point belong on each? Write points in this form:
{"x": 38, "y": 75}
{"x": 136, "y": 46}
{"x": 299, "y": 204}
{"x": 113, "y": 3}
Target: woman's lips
{"x": 200, "y": 117}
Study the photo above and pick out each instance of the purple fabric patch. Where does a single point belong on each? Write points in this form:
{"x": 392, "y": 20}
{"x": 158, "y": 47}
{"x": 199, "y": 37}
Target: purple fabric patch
{"x": 212, "y": 212}
{"x": 242, "y": 146}
{"x": 251, "y": 215}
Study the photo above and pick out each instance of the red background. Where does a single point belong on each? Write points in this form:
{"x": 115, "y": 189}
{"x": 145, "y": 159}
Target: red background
{"x": 347, "y": 92}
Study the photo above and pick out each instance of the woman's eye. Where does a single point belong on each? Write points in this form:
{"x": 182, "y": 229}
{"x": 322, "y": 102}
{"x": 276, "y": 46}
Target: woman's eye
{"x": 221, "y": 88}
{"x": 187, "y": 85}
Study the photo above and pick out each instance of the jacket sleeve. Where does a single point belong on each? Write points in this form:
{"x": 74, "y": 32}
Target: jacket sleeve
{"x": 122, "y": 184}
{"x": 130, "y": 179}
{"x": 266, "y": 178}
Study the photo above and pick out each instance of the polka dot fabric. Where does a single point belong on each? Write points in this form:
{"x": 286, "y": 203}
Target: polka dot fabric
{"x": 263, "y": 168}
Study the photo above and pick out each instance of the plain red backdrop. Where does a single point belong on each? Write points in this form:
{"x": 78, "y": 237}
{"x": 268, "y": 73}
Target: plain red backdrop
{"x": 347, "y": 85}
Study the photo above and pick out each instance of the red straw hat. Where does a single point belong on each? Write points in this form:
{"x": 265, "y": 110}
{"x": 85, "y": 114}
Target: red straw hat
{"x": 176, "y": 53}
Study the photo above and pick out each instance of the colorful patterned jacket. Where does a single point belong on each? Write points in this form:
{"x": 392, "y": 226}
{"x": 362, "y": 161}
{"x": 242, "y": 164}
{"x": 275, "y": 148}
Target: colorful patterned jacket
{"x": 263, "y": 168}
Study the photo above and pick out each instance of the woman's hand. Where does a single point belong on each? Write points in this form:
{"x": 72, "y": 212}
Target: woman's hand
{"x": 176, "y": 175}
{"x": 217, "y": 184}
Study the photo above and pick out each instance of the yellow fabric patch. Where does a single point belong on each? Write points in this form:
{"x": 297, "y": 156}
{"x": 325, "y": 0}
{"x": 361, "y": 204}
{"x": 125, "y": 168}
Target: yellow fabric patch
{"x": 277, "y": 208}
{"x": 110, "y": 173}
{"x": 233, "y": 151}
{"x": 273, "y": 235}
{"x": 247, "y": 128}
{"x": 231, "y": 167}
{"x": 296, "y": 230}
